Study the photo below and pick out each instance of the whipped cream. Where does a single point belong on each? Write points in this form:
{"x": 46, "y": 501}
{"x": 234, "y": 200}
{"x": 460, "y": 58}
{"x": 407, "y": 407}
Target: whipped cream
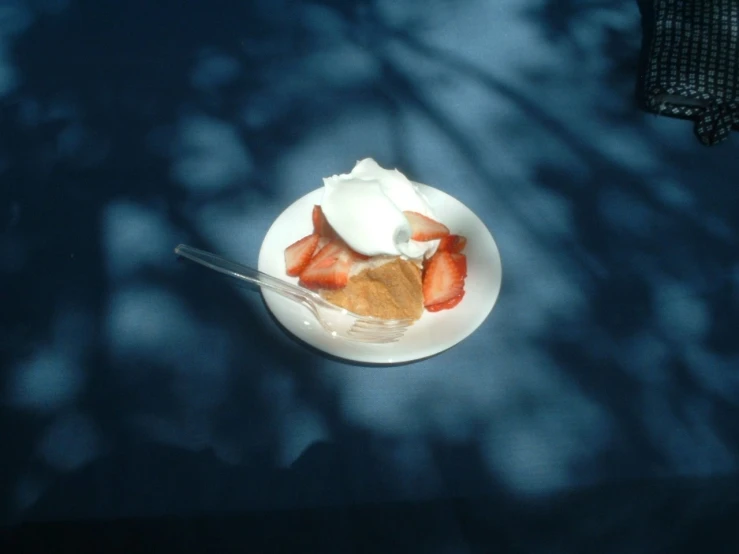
{"x": 365, "y": 207}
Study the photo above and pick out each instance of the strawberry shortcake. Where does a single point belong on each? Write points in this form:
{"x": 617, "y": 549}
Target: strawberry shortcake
{"x": 377, "y": 249}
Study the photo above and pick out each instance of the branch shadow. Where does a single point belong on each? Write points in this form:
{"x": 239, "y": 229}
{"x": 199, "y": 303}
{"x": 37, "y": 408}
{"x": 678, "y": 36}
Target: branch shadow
{"x": 165, "y": 364}
{"x": 99, "y": 127}
{"x": 636, "y": 235}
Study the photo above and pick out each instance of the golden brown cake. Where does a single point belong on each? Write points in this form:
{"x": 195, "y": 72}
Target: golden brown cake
{"x": 390, "y": 290}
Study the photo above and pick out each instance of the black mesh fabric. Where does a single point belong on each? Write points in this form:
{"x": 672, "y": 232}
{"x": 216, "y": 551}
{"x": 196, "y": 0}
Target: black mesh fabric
{"x": 692, "y": 64}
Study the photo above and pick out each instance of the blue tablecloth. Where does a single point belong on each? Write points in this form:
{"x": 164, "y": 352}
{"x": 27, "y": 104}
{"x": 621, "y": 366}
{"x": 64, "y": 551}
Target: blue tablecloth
{"x": 134, "y": 385}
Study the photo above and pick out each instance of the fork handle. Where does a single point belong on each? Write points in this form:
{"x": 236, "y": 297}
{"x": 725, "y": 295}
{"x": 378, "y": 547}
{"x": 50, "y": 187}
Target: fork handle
{"x": 244, "y": 273}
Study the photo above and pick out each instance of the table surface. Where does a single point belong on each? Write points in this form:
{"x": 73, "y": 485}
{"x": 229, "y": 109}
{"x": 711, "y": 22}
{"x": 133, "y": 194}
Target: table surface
{"x": 137, "y": 385}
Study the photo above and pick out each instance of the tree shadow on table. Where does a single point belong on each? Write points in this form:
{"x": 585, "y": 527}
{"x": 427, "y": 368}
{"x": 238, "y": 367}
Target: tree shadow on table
{"x": 644, "y": 229}
{"x": 108, "y": 340}
{"x": 97, "y": 129}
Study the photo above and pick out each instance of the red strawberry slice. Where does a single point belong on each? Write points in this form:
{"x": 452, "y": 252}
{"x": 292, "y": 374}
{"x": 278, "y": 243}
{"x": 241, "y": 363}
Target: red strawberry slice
{"x": 461, "y": 261}
{"x": 321, "y": 225}
{"x": 452, "y": 243}
{"x": 322, "y": 241}
{"x": 424, "y": 228}
{"x": 333, "y": 248}
{"x": 448, "y": 305}
{"x": 299, "y": 253}
{"x": 442, "y": 279}
{"x": 329, "y": 268}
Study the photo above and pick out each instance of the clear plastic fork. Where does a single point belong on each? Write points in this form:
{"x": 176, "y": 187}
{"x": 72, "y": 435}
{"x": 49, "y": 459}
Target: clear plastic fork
{"x": 338, "y": 322}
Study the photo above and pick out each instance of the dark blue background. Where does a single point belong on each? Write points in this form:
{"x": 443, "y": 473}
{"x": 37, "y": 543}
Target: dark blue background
{"x": 602, "y": 390}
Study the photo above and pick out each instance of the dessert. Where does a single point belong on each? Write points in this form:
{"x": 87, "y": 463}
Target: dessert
{"x": 391, "y": 290}
{"x": 377, "y": 248}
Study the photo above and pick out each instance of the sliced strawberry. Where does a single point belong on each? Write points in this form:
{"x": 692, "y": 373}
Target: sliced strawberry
{"x": 452, "y": 243}
{"x": 461, "y": 261}
{"x": 424, "y": 228}
{"x": 329, "y": 268}
{"x": 299, "y": 253}
{"x": 322, "y": 241}
{"x": 321, "y": 225}
{"x": 442, "y": 279}
{"x": 447, "y": 305}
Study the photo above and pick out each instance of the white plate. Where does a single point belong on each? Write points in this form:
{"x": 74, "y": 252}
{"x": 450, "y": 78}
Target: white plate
{"x": 434, "y": 332}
